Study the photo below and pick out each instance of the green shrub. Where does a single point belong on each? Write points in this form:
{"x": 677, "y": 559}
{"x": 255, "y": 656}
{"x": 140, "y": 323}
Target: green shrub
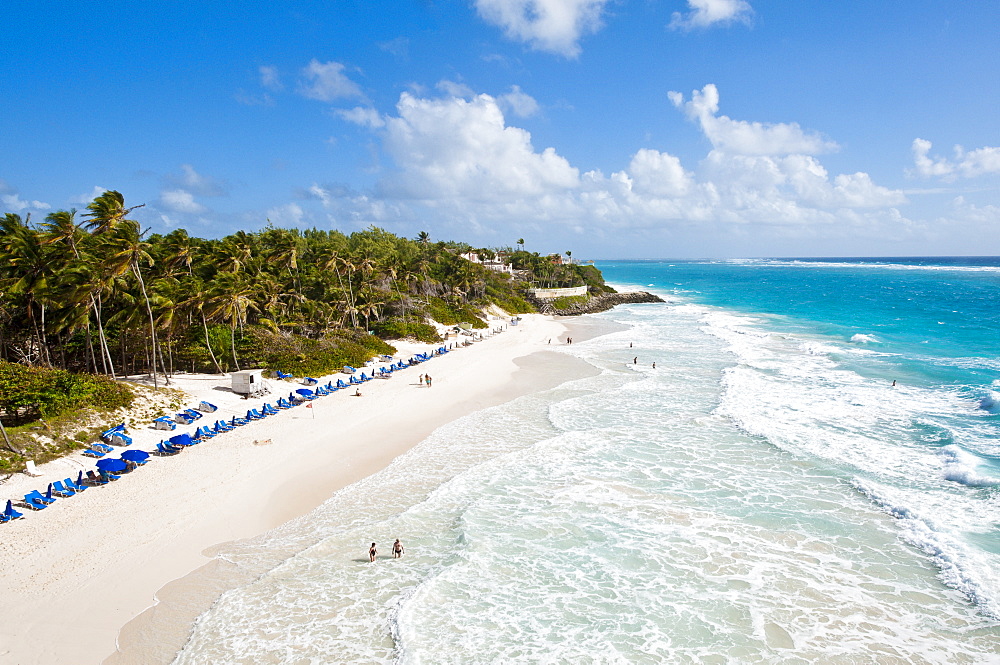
{"x": 303, "y": 356}
{"x": 566, "y": 301}
{"x": 57, "y": 391}
{"x": 451, "y": 314}
{"x": 398, "y": 329}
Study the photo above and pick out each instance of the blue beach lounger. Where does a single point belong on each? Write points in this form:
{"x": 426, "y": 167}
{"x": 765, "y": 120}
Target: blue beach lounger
{"x": 35, "y": 497}
{"x": 10, "y": 514}
{"x": 76, "y": 487}
{"x": 97, "y": 479}
{"x": 58, "y": 488}
{"x": 164, "y": 422}
{"x": 90, "y": 452}
{"x": 166, "y": 449}
{"x": 106, "y": 434}
{"x": 206, "y": 407}
{"x": 33, "y": 502}
{"x": 238, "y": 422}
{"x": 283, "y": 403}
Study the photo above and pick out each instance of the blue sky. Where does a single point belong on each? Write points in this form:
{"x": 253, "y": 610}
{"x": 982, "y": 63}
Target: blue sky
{"x": 611, "y": 128}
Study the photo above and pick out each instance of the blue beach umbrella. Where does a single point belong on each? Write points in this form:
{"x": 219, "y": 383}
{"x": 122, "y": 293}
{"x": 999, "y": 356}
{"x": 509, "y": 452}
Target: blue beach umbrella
{"x": 135, "y": 455}
{"x": 111, "y": 465}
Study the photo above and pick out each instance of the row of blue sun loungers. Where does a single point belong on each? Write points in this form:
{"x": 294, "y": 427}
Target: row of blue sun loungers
{"x": 175, "y": 444}
{"x": 63, "y": 489}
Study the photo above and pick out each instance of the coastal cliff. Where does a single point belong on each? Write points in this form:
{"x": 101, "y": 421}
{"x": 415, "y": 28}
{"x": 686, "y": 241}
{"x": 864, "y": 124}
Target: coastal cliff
{"x": 599, "y": 303}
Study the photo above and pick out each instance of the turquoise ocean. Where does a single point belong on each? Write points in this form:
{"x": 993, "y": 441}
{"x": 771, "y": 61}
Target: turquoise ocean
{"x": 764, "y": 495}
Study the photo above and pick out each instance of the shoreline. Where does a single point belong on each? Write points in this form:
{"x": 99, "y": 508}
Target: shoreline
{"x": 100, "y": 571}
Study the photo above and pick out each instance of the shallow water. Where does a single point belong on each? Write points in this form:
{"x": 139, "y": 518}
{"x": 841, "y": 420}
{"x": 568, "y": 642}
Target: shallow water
{"x": 763, "y": 495}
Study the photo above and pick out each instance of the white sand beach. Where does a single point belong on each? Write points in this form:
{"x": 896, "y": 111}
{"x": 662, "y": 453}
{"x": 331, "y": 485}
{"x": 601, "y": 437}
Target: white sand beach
{"x": 77, "y": 572}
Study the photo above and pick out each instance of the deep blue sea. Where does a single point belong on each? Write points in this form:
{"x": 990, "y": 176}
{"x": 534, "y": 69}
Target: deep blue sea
{"x": 765, "y": 494}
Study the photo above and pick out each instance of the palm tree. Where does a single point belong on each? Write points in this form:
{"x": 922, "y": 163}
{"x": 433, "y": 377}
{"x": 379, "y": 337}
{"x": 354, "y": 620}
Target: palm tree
{"x": 520, "y": 241}
{"x": 198, "y": 299}
{"x": 107, "y": 211}
{"x": 424, "y": 238}
{"x": 129, "y": 252}
{"x": 231, "y": 303}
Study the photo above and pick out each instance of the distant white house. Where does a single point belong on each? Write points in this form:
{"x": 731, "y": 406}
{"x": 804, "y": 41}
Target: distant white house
{"x": 498, "y": 264}
{"x": 548, "y": 294}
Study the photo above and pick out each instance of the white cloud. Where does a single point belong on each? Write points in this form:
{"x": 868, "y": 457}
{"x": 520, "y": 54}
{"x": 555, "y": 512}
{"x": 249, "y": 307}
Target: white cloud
{"x": 458, "y": 161}
{"x": 970, "y": 164}
{"x": 326, "y": 82}
{"x": 362, "y": 115}
{"x": 658, "y": 174}
{"x": 459, "y": 149}
{"x": 269, "y": 78}
{"x": 987, "y": 215}
{"x": 747, "y": 138}
{"x": 179, "y": 200}
{"x": 518, "y": 102}
{"x": 290, "y": 214}
{"x": 546, "y": 25}
{"x": 706, "y": 13}
{"x": 12, "y": 201}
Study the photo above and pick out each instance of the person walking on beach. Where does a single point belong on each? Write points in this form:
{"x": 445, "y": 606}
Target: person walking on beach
{"x": 420, "y": 379}
{"x": 428, "y": 379}
{"x": 397, "y": 549}
{"x": 372, "y": 552}
{"x": 654, "y": 365}
{"x": 635, "y": 361}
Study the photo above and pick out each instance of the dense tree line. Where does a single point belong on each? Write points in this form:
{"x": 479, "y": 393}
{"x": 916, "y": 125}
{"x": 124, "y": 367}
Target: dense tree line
{"x": 93, "y": 292}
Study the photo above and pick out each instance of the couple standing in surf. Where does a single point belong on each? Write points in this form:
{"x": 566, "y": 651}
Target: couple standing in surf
{"x": 397, "y": 551}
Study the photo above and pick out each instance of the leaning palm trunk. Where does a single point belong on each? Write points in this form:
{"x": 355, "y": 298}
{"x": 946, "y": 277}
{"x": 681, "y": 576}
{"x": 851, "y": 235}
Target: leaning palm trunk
{"x": 109, "y": 365}
{"x": 232, "y": 338}
{"x": 208, "y": 344}
{"x": 152, "y": 324}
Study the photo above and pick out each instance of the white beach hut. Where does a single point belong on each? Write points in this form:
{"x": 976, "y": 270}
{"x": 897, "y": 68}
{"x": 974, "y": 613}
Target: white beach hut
{"x": 249, "y": 382}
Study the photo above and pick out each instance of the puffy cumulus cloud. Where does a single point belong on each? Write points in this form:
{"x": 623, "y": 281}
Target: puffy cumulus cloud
{"x": 965, "y": 164}
{"x": 326, "y": 82}
{"x": 659, "y": 174}
{"x": 457, "y": 160}
{"x": 546, "y": 25}
{"x": 362, "y": 115}
{"x": 746, "y": 138}
{"x": 179, "y": 200}
{"x": 462, "y": 149}
{"x": 706, "y": 13}
{"x": 12, "y": 201}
